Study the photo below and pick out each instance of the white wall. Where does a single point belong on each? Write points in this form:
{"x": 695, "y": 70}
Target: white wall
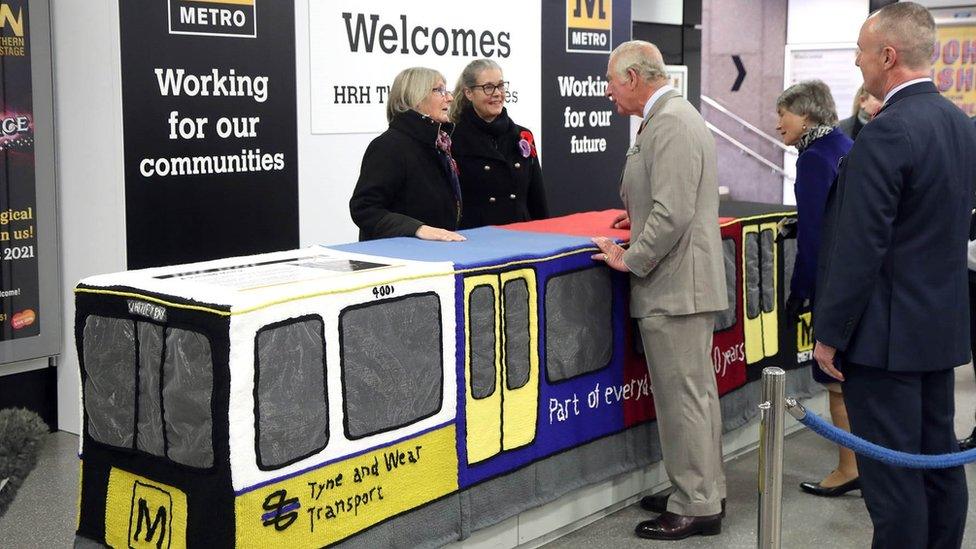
{"x": 668, "y": 12}
{"x": 328, "y": 165}
{"x": 824, "y": 21}
{"x": 88, "y": 128}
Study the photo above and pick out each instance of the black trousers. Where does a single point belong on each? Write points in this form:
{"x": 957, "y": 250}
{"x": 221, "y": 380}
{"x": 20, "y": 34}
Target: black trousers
{"x": 912, "y": 412}
{"x": 972, "y": 315}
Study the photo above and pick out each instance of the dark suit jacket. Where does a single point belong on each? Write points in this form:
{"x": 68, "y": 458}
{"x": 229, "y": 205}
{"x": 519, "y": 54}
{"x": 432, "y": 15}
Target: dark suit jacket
{"x": 851, "y": 126}
{"x": 403, "y": 182}
{"x": 892, "y": 284}
{"x": 816, "y": 169}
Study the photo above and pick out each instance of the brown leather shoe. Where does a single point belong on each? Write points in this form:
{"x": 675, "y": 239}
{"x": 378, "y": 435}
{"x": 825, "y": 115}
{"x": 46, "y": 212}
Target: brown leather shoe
{"x": 658, "y": 503}
{"x": 670, "y": 526}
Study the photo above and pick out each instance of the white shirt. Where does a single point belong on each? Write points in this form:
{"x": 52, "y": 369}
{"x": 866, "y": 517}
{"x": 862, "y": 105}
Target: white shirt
{"x": 902, "y": 86}
{"x": 657, "y": 95}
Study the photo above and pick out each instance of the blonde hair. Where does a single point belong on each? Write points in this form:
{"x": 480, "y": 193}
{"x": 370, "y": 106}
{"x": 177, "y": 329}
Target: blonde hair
{"x": 859, "y": 96}
{"x": 468, "y": 78}
{"x": 409, "y": 89}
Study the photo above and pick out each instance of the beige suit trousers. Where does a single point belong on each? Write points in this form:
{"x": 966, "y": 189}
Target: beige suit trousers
{"x": 689, "y": 418}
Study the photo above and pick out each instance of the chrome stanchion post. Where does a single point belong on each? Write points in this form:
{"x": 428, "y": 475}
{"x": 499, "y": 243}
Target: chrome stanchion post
{"x": 771, "y": 458}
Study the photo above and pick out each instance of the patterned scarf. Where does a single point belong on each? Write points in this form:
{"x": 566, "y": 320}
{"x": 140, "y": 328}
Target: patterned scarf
{"x": 444, "y": 146}
{"x": 812, "y": 135}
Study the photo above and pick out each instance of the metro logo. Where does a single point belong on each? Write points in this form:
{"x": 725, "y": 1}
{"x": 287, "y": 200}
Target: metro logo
{"x": 589, "y": 26}
{"x": 151, "y": 512}
{"x": 231, "y": 18}
{"x": 143, "y": 514}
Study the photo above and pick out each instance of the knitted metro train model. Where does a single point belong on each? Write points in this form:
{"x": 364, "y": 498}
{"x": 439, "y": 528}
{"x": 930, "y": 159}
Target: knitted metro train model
{"x": 389, "y": 393}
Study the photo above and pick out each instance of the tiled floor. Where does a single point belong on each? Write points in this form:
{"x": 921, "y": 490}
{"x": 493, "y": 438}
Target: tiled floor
{"x": 808, "y": 521}
{"x": 43, "y": 514}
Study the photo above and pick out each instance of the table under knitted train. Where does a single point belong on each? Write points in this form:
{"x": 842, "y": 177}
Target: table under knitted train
{"x": 389, "y": 393}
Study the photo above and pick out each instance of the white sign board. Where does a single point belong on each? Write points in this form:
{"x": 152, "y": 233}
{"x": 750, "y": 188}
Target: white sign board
{"x": 356, "y": 49}
{"x": 832, "y": 63}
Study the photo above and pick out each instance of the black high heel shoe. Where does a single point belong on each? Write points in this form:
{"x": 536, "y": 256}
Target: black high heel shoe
{"x": 816, "y": 489}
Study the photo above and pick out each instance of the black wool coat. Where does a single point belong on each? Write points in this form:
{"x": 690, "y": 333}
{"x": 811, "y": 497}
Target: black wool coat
{"x": 498, "y": 184}
{"x": 404, "y": 181}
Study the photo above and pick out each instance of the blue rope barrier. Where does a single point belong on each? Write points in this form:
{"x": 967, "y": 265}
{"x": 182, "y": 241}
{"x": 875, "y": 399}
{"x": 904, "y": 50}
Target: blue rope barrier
{"x": 880, "y": 453}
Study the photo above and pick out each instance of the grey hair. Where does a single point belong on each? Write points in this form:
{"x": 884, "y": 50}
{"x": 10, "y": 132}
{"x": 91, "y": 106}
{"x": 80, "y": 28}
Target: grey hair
{"x": 409, "y": 89}
{"x": 910, "y": 29}
{"x": 468, "y": 78}
{"x": 810, "y": 98}
{"x": 644, "y": 57}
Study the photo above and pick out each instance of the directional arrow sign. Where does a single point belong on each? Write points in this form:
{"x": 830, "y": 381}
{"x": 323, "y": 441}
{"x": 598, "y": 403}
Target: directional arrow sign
{"x": 742, "y": 73}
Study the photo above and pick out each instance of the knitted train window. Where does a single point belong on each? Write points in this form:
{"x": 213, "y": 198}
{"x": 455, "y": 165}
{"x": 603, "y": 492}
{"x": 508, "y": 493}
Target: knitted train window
{"x": 110, "y": 361}
{"x": 291, "y": 393}
{"x": 517, "y": 344}
{"x": 579, "y": 332}
{"x": 766, "y": 240}
{"x": 760, "y": 282}
{"x": 187, "y": 390}
{"x": 481, "y": 327}
{"x": 150, "y": 426}
{"x": 789, "y": 260}
{"x": 171, "y": 378}
{"x": 726, "y": 319}
{"x": 391, "y": 363}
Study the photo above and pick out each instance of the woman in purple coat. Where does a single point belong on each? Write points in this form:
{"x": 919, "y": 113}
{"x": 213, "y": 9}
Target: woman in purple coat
{"x": 808, "y": 121}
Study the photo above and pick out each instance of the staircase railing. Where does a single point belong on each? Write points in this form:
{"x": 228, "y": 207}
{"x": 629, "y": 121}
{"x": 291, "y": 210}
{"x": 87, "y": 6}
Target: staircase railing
{"x": 744, "y": 149}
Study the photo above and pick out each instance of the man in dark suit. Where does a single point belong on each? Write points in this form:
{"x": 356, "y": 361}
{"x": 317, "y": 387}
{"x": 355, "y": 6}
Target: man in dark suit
{"x": 891, "y": 318}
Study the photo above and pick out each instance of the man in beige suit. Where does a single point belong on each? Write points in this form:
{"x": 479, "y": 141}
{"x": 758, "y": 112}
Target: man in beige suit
{"x": 677, "y": 283}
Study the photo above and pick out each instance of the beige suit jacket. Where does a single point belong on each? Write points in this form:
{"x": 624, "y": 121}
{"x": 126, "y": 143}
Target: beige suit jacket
{"x": 669, "y": 187}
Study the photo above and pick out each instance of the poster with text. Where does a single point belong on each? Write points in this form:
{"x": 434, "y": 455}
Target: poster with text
{"x": 19, "y": 295}
{"x": 954, "y": 65}
{"x": 356, "y": 49}
{"x": 584, "y": 139}
{"x": 210, "y": 132}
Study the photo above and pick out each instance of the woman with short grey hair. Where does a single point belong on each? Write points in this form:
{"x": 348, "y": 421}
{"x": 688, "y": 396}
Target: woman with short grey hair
{"x": 408, "y": 183}
{"x": 808, "y": 120}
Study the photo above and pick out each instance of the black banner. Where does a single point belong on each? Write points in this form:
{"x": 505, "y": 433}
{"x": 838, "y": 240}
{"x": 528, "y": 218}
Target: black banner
{"x": 19, "y": 295}
{"x": 584, "y": 140}
{"x": 209, "y": 118}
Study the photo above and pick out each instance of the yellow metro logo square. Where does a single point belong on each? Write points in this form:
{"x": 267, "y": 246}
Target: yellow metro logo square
{"x": 589, "y": 14}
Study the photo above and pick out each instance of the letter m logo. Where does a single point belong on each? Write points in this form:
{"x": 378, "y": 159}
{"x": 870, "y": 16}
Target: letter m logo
{"x": 150, "y": 518}
{"x": 804, "y": 333}
{"x": 589, "y": 26}
{"x": 590, "y": 5}
{"x": 7, "y": 18}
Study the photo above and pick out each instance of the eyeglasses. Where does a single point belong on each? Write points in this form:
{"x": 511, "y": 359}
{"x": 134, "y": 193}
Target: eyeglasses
{"x": 490, "y": 88}
{"x": 444, "y": 92}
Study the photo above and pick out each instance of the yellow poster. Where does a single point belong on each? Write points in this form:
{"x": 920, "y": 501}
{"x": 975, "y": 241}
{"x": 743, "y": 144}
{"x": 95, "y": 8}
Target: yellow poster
{"x": 954, "y": 65}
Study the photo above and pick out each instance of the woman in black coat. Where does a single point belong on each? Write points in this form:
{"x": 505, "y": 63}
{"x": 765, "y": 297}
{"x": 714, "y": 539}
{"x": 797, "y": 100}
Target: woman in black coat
{"x": 501, "y": 179}
{"x": 408, "y": 183}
